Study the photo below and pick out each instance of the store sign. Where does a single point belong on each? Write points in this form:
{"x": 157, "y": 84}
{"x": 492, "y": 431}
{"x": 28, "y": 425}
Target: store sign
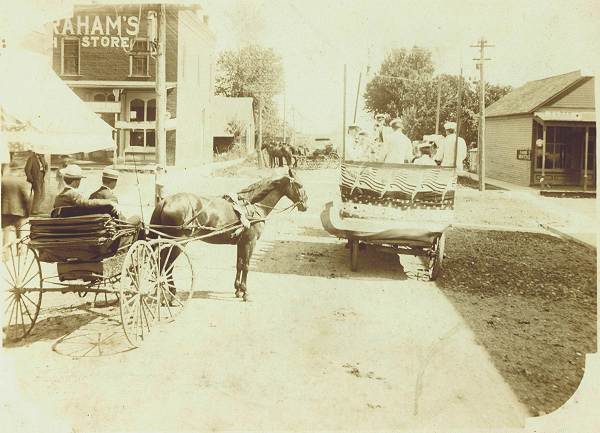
{"x": 524, "y": 154}
{"x": 96, "y": 31}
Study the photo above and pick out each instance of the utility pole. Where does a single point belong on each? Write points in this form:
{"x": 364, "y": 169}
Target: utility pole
{"x": 437, "y": 110}
{"x": 284, "y": 135}
{"x": 357, "y": 93}
{"x": 293, "y": 126}
{"x": 161, "y": 102}
{"x": 259, "y": 144}
{"x": 482, "y": 45}
{"x": 344, "y": 118}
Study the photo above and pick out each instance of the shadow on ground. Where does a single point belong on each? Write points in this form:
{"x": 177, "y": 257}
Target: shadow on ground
{"x": 330, "y": 260}
{"x": 531, "y": 301}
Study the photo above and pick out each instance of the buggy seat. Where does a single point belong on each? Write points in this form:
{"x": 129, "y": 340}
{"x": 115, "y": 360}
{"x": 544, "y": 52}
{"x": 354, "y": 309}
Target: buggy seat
{"x": 86, "y": 238}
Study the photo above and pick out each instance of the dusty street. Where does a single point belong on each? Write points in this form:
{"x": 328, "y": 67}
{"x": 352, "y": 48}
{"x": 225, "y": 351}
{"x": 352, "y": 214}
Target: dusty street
{"x": 318, "y": 347}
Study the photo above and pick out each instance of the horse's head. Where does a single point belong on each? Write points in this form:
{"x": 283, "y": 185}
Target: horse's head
{"x": 295, "y": 191}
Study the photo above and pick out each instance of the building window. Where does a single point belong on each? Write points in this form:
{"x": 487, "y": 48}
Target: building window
{"x": 136, "y": 138}
{"x": 151, "y": 110}
{"x": 70, "y": 56}
{"x": 139, "y": 59}
{"x": 99, "y": 97}
{"x": 141, "y": 110}
{"x": 150, "y": 138}
{"x": 137, "y": 110}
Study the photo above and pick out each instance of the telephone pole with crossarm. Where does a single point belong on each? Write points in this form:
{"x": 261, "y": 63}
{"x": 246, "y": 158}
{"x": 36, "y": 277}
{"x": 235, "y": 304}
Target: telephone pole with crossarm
{"x": 482, "y": 45}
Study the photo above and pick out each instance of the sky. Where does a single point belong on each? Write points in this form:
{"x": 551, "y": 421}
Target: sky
{"x": 532, "y": 40}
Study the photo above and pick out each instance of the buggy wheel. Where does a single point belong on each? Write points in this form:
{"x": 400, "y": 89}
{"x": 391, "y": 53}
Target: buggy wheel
{"x": 354, "y": 248}
{"x": 138, "y": 296}
{"x": 436, "y": 257}
{"x": 176, "y": 277}
{"x": 22, "y": 275}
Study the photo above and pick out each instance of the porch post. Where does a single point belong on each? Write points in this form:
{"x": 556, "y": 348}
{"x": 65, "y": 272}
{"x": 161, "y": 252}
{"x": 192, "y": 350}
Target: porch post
{"x": 544, "y": 155}
{"x": 585, "y": 157}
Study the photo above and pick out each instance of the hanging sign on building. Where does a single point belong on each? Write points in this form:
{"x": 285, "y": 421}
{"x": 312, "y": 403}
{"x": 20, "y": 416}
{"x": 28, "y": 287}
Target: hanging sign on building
{"x": 524, "y": 154}
{"x": 99, "y": 31}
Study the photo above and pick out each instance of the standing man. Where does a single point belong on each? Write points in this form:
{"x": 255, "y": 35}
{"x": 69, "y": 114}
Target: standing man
{"x": 448, "y": 146}
{"x": 352, "y": 151}
{"x": 109, "y": 182}
{"x": 16, "y": 204}
{"x": 36, "y": 168}
{"x": 379, "y": 129}
{"x": 398, "y": 148}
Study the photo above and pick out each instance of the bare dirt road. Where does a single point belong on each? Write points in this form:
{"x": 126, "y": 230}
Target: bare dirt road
{"x": 317, "y": 348}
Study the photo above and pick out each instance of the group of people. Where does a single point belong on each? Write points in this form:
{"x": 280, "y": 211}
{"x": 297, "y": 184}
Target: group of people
{"x": 387, "y": 143}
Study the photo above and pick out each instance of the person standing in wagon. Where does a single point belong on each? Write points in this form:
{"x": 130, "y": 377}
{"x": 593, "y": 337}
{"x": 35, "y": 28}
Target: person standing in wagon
{"x": 398, "y": 147}
{"x": 446, "y": 151}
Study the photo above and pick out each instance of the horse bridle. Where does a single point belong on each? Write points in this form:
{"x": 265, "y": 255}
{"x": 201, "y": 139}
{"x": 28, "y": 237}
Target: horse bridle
{"x": 297, "y": 185}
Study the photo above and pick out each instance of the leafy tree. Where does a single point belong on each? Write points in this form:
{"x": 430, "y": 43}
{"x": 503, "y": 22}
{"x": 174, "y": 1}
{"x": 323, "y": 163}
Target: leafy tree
{"x": 252, "y": 71}
{"x": 235, "y": 127}
{"x": 407, "y": 87}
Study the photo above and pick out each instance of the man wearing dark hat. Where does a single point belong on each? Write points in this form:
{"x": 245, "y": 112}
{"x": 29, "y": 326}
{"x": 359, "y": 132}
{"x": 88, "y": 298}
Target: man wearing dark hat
{"x": 70, "y": 196}
{"x": 109, "y": 182}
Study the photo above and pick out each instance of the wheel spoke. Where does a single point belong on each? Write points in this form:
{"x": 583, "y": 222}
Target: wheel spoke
{"x": 26, "y": 309}
{"x": 27, "y": 282}
{"x": 28, "y": 269}
{"x": 149, "y": 309}
{"x": 168, "y": 255}
{"x": 12, "y": 262}
{"x": 9, "y": 283}
{"x": 12, "y": 303}
{"x": 144, "y": 317}
{"x": 167, "y": 303}
{"x": 8, "y": 271}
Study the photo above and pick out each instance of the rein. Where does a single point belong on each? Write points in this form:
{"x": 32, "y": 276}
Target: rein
{"x": 214, "y": 231}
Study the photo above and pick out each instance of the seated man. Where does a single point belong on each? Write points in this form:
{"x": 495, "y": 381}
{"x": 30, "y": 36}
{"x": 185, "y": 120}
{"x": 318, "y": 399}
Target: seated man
{"x": 70, "y": 197}
{"x": 425, "y": 153}
{"x": 109, "y": 182}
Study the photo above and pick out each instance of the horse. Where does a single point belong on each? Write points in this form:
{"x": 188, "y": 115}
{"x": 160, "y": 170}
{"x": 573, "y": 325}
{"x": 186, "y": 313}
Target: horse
{"x": 189, "y": 215}
{"x": 279, "y": 152}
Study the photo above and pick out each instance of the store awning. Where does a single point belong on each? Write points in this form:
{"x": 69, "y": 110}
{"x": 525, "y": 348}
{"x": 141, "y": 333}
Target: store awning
{"x": 565, "y": 116}
{"x": 52, "y": 119}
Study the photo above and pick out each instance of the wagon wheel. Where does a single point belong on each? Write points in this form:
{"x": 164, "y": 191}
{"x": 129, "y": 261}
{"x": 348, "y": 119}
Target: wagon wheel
{"x": 176, "y": 276}
{"x": 354, "y": 248}
{"x": 436, "y": 257}
{"x": 22, "y": 275}
{"x": 138, "y": 295}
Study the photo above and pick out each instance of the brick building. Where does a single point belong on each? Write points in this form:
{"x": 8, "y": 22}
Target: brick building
{"x": 545, "y": 128}
{"x": 105, "y": 53}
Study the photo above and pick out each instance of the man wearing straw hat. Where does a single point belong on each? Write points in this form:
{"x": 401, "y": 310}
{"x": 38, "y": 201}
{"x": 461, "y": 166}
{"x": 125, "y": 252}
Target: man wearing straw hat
{"x": 446, "y": 151}
{"x": 425, "y": 152}
{"x": 109, "y": 182}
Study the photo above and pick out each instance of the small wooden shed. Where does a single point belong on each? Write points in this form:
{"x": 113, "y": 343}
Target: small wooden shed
{"x": 544, "y": 129}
